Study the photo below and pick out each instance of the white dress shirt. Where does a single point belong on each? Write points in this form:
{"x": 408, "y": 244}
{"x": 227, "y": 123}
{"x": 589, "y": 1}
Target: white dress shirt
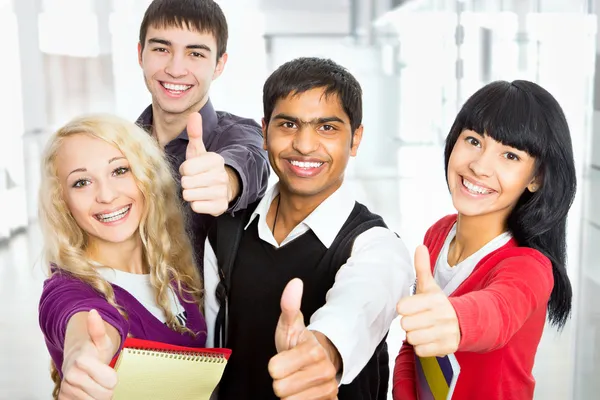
{"x": 361, "y": 305}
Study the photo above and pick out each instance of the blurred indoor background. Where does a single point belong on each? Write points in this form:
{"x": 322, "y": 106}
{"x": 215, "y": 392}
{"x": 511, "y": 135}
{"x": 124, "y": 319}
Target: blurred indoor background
{"x": 417, "y": 61}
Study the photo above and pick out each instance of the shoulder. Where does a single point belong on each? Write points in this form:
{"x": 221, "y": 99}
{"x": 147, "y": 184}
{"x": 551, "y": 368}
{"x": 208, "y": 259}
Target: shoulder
{"x": 521, "y": 264}
{"x": 63, "y": 282}
{"x": 62, "y": 291}
{"x": 381, "y": 241}
{"x": 231, "y": 122}
{"x": 525, "y": 259}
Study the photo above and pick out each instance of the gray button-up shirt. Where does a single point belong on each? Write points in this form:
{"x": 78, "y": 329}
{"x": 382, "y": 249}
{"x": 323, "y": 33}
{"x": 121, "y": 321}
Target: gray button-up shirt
{"x": 239, "y": 141}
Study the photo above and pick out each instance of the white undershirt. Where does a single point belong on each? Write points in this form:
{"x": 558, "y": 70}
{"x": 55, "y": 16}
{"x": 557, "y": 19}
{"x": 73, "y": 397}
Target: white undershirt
{"x": 139, "y": 286}
{"x": 450, "y": 277}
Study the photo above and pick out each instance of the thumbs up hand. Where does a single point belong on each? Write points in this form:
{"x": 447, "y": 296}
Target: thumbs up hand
{"x": 206, "y": 183}
{"x": 307, "y": 362}
{"x": 428, "y": 317}
{"x": 291, "y": 321}
{"x": 86, "y": 373}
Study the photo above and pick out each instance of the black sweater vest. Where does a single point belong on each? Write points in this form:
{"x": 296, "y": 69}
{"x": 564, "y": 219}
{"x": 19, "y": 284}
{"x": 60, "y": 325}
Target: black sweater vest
{"x": 259, "y": 275}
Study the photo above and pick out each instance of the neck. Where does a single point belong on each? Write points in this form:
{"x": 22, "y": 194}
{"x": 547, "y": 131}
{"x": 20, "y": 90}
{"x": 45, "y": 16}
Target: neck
{"x": 167, "y": 126}
{"x": 293, "y": 209}
{"x": 124, "y": 256}
{"x": 472, "y": 233}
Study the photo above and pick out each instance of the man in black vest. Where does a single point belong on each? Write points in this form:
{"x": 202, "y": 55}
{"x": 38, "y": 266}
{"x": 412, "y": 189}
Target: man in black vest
{"x": 329, "y": 340}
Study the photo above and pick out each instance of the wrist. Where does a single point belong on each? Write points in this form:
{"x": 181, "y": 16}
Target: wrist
{"x": 233, "y": 186}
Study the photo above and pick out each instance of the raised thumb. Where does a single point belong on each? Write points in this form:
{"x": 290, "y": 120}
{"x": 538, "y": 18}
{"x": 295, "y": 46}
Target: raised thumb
{"x": 291, "y": 321}
{"x": 195, "y": 145}
{"x": 97, "y": 331}
{"x": 425, "y": 281}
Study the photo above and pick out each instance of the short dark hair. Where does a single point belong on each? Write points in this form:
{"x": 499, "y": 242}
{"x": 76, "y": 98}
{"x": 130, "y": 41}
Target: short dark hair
{"x": 525, "y": 116}
{"x": 303, "y": 74}
{"x": 204, "y": 16}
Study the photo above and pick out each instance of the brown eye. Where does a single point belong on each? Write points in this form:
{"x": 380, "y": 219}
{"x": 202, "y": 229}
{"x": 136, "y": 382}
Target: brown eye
{"x": 120, "y": 171}
{"x": 472, "y": 141}
{"x": 81, "y": 183}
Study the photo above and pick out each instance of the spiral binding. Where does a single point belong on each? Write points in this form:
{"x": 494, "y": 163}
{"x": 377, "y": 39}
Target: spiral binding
{"x": 178, "y": 355}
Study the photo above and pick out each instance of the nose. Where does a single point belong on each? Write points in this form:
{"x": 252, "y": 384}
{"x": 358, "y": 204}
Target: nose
{"x": 176, "y": 67}
{"x": 106, "y": 193}
{"x": 483, "y": 165}
{"x": 306, "y": 141}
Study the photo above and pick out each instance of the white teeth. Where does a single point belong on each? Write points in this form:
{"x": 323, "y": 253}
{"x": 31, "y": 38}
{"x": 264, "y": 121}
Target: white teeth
{"x": 176, "y": 88}
{"x": 302, "y": 164}
{"x": 113, "y": 216}
{"x": 474, "y": 188}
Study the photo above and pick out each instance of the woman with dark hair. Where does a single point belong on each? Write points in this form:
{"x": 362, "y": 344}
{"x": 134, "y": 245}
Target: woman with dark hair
{"x": 499, "y": 264}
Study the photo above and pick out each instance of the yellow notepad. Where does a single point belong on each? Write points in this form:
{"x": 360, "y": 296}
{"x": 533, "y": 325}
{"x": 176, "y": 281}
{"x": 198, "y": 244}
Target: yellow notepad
{"x": 157, "y": 371}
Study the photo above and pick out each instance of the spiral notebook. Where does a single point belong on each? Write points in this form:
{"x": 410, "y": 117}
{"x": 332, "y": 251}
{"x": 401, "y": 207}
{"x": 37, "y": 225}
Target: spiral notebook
{"x": 436, "y": 377}
{"x": 154, "y": 370}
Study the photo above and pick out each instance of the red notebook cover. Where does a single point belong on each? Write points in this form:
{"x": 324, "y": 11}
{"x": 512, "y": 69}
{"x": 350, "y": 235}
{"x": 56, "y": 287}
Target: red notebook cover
{"x": 142, "y": 344}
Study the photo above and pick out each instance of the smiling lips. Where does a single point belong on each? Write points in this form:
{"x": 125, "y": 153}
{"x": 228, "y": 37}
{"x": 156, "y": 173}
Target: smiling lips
{"x": 476, "y": 189}
{"x": 113, "y": 215}
{"x": 306, "y": 169}
{"x": 175, "y": 89}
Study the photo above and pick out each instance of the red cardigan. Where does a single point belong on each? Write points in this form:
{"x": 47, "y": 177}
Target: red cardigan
{"x": 501, "y": 309}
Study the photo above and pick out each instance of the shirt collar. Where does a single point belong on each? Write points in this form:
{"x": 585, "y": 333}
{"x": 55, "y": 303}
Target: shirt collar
{"x": 325, "y": 221}
{"x": 210, "y": 121}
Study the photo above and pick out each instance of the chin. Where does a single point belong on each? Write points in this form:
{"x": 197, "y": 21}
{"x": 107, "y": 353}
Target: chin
{"x": 120, "y": 237}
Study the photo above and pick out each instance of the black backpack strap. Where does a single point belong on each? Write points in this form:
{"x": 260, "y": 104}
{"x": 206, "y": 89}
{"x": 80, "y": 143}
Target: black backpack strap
{"x": 224, "y": 237}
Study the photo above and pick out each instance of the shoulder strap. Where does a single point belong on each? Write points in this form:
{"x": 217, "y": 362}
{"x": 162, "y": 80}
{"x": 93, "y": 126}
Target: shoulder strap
{"x": 225, "y": 236}
{"x": 347, "y": 237}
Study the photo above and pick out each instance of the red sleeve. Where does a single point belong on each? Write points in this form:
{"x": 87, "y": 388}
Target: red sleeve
{"x": 488, "y": 318}
{"x": 404, "y": 374}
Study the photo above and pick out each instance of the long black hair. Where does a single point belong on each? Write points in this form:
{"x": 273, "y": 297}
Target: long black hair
{"x": 525, "y": 116}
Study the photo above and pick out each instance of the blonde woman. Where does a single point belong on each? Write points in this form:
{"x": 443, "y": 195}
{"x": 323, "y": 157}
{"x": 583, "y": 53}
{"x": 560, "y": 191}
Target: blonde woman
{"x": 120, "y": 260}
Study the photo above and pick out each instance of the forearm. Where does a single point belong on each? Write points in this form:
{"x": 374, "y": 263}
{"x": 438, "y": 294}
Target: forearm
{"x": 404, "y": 374}
{"x": 489, "y": 318}
{"x": 250, "y": 168}
{"x": 360, "y": 306}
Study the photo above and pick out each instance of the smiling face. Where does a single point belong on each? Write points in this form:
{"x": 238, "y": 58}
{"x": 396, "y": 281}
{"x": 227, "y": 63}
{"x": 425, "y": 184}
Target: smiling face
{"x": 179, "y": 66}
{"x": 99, "y": 189}
{"x": 486, "y": 177}
{"x": 309, "y": 141}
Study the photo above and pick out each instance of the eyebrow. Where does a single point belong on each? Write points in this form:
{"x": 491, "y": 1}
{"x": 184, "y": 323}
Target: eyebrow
{"x": 85, "y": 170}
{"x": 314, "y": 121}
{"x": 189, "y": 46}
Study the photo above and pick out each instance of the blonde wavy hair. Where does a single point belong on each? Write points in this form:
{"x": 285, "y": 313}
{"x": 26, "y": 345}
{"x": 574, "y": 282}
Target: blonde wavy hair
{"x": 166, "y": 246}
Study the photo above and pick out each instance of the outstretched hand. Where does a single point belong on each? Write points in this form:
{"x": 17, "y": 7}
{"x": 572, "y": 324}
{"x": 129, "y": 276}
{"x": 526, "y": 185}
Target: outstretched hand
{"x": 305, "y": 366}
{"x": 206, "y": 184}
{"x": 86, "y": 373}
{"x": 428, "y": 317}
